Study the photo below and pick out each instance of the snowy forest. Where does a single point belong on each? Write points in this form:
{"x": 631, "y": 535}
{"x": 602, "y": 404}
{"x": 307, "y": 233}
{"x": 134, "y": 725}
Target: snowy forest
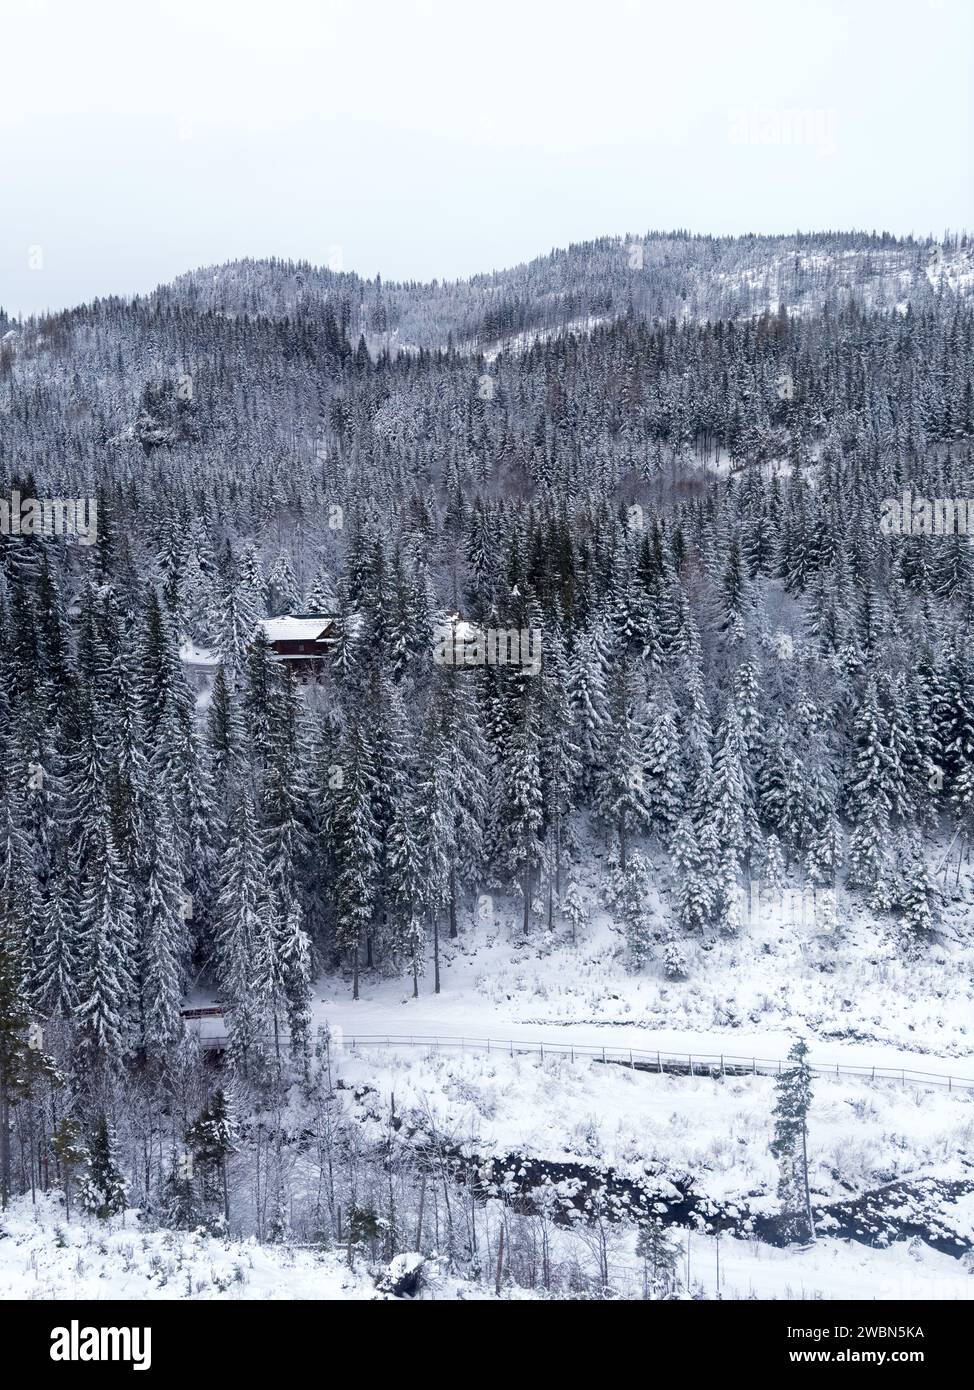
{"x": 667, "y": 457}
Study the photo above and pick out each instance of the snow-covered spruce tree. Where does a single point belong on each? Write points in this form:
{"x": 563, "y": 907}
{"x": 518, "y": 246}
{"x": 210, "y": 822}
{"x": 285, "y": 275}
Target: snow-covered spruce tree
{"x": 466, "y": 761}
{"x": 773, "y": 869}
{"x": 560, "y": 758}
{"x": 734, "y": 595}
{"x": 237, "y": 608}
{"x": 749, "y": 703}
{"x": 194, "y": 607}
{"x": 241, "y": 921}
{"x": 680, "y": 634}
{"x": 573, "y": 909}
{"x": 406, "y": 866}
{"x": 256, "y": 678}
{"x": 179, "y": 1205}
{"x": 590, "y": 708}
{"x": 24, "y": 1067}
{"x": 697, "y": 734}
{"x": 212, "y": 1140}
{"x": 355, "y": 832}
{"x": 659, "y": 1255}
{"x": 793, "y": 1098}
{"x": 694, "y": 893}
{"x": 672, "y": 954}
{"x": 159, "y": 679}
{"x": 186, "y": 779}
{"x": 20, "y": 891}
{"x": 103, "y": 1189}
{"x": 279, "y": 1228}
{"x": 774, "y": 777}
{"x": 284, "y": 819}
{"x": 56, "y": 980}
{"x": 320, "y": 596}
{"x": 282, "y": 589}
{"x": 732, "y": 813}
{"x": 294, "y": 955}
{"x": 165, "y": 947}
{"x": 70, "y": 1154}
{"x": 868, "y": 796}
{"x": 225, "y": 734}
{"x": 918, "y": 900}
{"x": 621, "y": 795}
{"x": 663, "y": 777}
{"x": 954, "y": 721}
{"x": 631, "y": 910}
{"x": 108, "y": 995}
{"x": 522, "y": 810}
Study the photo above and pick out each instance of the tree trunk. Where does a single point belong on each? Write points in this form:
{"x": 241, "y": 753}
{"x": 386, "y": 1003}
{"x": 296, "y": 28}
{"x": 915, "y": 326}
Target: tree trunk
{"x": 436, "y": 950}
{"x": 4, "y": 1143}
{"x": 500, "y": 1262}
{"x": 226, "y": 1190}
{"x": 808, "y": 1195}
{"x": 454, "y": 933}
{"x": 419, "y": 1218}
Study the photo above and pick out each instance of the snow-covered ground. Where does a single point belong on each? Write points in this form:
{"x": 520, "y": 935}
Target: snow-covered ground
{"x": 861, "y": 1134}
{"x": 828, "y": 1269}
{"x": 43, "y": 1256}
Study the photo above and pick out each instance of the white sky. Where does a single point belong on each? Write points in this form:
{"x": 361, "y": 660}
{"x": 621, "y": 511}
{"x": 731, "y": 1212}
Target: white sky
{"x": 440, "y": 139}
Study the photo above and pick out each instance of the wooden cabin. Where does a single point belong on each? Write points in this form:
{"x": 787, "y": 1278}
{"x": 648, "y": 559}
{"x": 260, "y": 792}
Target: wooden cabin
{"x": 304, "y": 641}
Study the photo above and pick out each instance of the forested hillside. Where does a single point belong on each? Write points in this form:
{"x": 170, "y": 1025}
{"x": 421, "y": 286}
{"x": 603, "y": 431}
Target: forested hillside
{"x": 656, "y": 276}
{"x": 671, "y": 467}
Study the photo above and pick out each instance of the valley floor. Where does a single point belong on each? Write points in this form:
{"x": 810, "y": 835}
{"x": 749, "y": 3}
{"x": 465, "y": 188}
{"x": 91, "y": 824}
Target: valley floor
{"x": 45, "y": 1257}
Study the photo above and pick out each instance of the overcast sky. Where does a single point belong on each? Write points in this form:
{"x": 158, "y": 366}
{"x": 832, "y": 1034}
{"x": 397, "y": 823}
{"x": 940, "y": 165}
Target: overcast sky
{"x": 425, "y": 139}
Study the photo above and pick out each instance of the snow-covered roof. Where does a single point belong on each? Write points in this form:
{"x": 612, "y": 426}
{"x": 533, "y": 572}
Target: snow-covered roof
{"x": 290, "y": 629}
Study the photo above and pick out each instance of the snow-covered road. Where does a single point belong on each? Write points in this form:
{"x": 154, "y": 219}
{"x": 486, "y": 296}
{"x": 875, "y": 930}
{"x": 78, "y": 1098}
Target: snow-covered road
{"x": 373, "y": 1017}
